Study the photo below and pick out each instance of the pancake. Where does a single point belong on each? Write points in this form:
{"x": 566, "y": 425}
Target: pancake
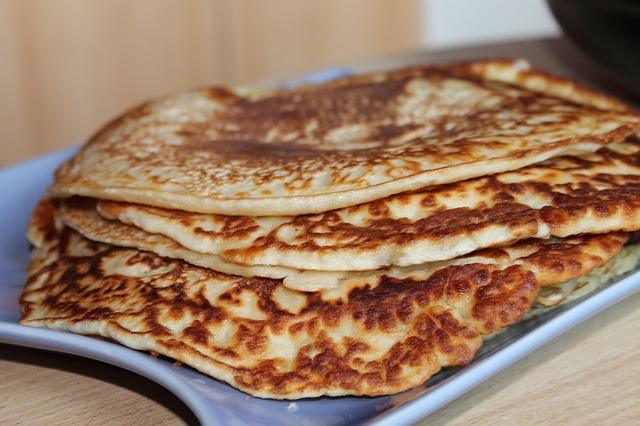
{"x": 354, "y": 140}
{"x": 81, "y": 215}
{"x": 592, "y": 193}
{"x": 559, "y": 261}
{"x": 555, "y": 295}
{"x": 376, "y": 337}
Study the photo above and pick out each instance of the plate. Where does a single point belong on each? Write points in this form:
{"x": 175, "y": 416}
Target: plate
{"x": 215, "y": 403}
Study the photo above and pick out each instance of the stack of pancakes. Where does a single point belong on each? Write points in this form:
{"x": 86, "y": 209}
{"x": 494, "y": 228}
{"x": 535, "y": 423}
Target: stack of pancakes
{"x": 352, "y": 237}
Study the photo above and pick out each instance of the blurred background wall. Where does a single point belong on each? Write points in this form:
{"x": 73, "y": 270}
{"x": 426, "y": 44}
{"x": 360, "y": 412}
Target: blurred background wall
{"x": 67, "y": 66}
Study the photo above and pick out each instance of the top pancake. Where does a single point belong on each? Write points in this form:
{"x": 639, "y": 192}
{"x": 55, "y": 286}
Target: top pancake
{"x": 346, "y": 142}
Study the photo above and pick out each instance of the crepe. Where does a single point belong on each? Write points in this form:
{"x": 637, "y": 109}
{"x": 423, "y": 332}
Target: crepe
{"x": 354, "y": 140}
{"x": 624, "y": 262}
{"x": 592, "y": 193}
{"x": 589, "y": 251}
{"x": 378, "y": 336}
{"x": 81, "y": 215}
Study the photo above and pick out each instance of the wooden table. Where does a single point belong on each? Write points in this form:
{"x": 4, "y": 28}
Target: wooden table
{"x": 590, "y": 375}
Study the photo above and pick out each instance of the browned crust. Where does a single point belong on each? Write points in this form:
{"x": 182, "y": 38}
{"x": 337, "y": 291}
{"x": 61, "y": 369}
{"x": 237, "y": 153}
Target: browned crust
{"x": 283, "y": 130}
{"x": 564, "y": 259}
{"x": 592, "y": 202}
{"x": 489, "y": 68}
{"x": 440, "y": 320}
{"x": 435, "y": 322}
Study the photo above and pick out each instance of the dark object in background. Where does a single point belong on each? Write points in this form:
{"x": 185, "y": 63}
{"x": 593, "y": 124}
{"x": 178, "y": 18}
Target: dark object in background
{"x": 607, "y": 30}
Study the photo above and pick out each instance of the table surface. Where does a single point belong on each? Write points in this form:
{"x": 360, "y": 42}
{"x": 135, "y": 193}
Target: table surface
{"x": 589, "y": 375}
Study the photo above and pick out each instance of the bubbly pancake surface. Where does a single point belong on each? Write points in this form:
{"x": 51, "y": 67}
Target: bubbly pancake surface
{"x": 591, "y": 193}
{"x": 376, "y": 336}
{"x": 80, "y": 214}
{"x": 624, "y": 262}
{"x": 339, "y": 144}
{"x": 586, "y": 252}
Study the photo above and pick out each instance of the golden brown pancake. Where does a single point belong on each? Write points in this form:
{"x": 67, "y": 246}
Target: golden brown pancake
{"x": 622, "y": 263}
{"x": 378, "y": 336}
{"x": 354, "y": 140}
{"x": 592, "y": 193}
{"x": 589, "y": 252}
